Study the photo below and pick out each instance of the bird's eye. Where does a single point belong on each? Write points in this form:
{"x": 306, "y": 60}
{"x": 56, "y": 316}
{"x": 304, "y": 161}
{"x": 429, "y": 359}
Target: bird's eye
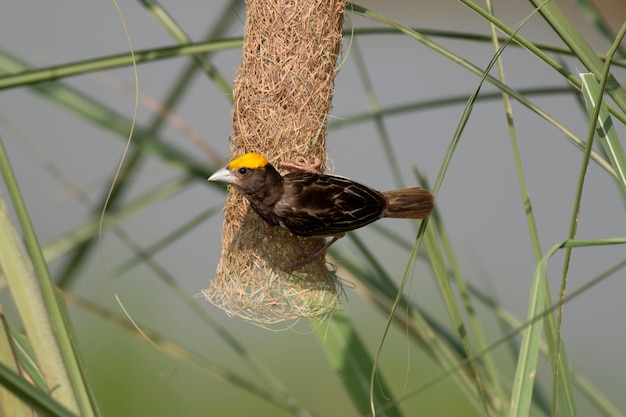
{"x": 243, "y": 171}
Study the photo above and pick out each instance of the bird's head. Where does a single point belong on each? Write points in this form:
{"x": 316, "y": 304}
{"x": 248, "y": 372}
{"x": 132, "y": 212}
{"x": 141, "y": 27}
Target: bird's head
{"x": 249, "y": 172}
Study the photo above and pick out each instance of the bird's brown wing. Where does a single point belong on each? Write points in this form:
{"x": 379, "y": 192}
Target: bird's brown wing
{"x": 324, "y": 205}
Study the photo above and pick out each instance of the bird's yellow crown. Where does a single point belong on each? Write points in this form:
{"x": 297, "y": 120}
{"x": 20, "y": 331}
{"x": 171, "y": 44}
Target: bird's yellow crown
{"x": 250, "y": 160}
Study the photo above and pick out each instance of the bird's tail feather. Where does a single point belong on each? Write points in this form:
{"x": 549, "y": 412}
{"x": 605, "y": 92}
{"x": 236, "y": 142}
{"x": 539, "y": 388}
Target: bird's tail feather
{"x": 409, "y": 203}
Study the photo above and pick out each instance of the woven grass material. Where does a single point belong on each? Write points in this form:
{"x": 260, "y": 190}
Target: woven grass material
{"x": 282, "y": 95}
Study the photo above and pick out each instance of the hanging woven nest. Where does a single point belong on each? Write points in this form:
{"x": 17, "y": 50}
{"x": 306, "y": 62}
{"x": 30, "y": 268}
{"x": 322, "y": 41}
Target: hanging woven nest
{"x": 282, "y": 96}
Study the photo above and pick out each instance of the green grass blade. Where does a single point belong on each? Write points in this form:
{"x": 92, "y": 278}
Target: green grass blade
{"x": 34, "y": 397}
{"x": 43, "y": 313}
{"x": 521, "y": 397}
{"x": 513, "y": 326}
{"x": 349, "y": 356}
{"x": 432, "y": 245}
{"x": 20, "y": 346}
{"x": 11, "y": 405}
{"x": 488, "y": 367}
{"x": 605, "y": 131}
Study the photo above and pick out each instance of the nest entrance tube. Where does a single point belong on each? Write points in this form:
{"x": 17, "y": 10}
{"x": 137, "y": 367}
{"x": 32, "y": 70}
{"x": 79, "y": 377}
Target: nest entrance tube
{"x": 282, "y": 95}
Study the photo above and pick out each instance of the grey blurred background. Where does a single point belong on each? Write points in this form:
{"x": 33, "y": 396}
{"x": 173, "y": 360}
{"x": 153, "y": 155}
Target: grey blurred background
{"x": 480, "y": 200}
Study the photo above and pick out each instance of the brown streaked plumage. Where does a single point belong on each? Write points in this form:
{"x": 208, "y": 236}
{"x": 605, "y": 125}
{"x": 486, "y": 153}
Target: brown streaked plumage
{"x": 312, "y": 204}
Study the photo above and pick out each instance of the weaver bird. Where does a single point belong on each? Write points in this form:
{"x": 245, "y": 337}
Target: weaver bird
{"x": 308, "y": 203}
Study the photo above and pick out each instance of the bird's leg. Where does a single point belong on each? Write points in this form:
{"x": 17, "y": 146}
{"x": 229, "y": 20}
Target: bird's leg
{"x": 302, "y": 166}
{"x": 305, "y": 259}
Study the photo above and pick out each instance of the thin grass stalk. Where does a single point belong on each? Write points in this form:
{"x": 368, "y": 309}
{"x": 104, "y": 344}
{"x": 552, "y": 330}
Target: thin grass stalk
{"x": 469, "y": 36}
{"x": 559, "y": 359}
{"x": 35, "y": 76}
{"x": 488, "y": 367}
{"x": 431, "y": 104}
{"x": 508, "y": 111}
{"x": 30, "y": 77}
{"x": 481, "y": 389}
{"x": 583, "y": 51}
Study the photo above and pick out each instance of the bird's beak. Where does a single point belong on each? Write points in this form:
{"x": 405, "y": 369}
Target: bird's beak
{"x": 223, "y": 175}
